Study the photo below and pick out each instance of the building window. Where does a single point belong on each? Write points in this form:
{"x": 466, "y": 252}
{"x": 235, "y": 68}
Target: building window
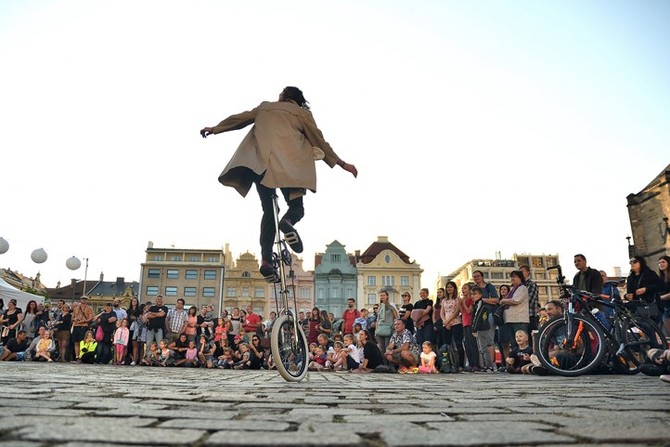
{"x": 190, "y": 291}
{"x": 335, "y": 258}
{"x": 372, "y": 281}
{"x": 154, "y": 273}
{"x": 158, "y": 258}
{"x": 170, "y": 291}
{"x": 259, "y": 292}
{"x": 486, "y": 275}
{"x": 551, "y": 261}
{"x": 538, "y": 262}
{"x": 231, "y": 291}
{"x": 246, "y": 275}
{"x": 388, "y": 280}
{"x": 497, "y": 275}
{"x": 305, "y": 293}
{"x": 172, "y": 274}
{"x": 194, "y": 258}
{"x": 175, "y": 258}
{"x": 387, "y": 259}
{"x": 372, "y": 298}
{"x": 210, "y": 274}
{"x": 212, "y": 259}
{"x": 335, "y": 292}
{"x": 208, "y": 292}
{"x": 245, "y": 291}
{"x": 152, "y": 290}
{"x": 404, "y": 281}
{"x": 320, "y": 294}
{"x": 523, "y": 260}
{"x": 191, "y": 274}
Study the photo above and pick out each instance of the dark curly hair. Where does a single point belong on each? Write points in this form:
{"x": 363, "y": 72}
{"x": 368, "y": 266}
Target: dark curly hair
{"x": 295, "y": 94}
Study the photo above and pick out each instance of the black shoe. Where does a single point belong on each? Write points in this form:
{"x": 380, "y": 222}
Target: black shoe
{"x": 268, "y": 272}
{"x": 649, "y": 369}
{"x": 539, "y": 370}
{"x": 291, "y": 236}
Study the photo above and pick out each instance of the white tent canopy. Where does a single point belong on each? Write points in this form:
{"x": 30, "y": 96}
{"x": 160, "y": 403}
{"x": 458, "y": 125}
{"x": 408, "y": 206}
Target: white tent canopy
{"x": 7, "y": 292}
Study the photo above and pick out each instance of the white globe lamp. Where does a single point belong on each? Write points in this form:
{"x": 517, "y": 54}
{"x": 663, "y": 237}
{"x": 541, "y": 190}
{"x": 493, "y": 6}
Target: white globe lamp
{"x": 4, "y": 246}
{"x": 73, "y": 263}
{"x": 38, "y": 256}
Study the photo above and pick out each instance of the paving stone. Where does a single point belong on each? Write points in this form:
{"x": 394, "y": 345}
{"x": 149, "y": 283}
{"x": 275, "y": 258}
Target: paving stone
{"x": 225, "y": 424}
{"x": 290, "y": 439}
{"x": 87, "y": 433}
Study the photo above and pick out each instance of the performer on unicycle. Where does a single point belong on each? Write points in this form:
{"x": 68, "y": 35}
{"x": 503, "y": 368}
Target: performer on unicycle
{"x": 278, "y": 152}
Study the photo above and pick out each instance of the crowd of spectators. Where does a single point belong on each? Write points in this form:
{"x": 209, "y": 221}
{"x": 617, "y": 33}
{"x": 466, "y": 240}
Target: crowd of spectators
{"x": 488, "y": 329}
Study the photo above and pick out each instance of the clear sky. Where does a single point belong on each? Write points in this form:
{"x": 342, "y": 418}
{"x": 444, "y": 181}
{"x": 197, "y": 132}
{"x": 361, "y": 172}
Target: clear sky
{"x": 476, "y": 126}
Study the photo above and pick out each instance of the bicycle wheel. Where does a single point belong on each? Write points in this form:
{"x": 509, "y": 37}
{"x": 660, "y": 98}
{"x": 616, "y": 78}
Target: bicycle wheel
{"x": 582, "y": 356}
{"x": 639, "y": 336}
{"x": 289, "y": 351}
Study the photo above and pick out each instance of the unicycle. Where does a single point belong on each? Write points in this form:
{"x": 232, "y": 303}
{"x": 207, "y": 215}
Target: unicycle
{"x": 287, "y": 340}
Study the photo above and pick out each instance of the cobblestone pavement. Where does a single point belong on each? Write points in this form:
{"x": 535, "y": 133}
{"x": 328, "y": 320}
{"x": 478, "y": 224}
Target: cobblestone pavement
{"x": 85, "y": 405}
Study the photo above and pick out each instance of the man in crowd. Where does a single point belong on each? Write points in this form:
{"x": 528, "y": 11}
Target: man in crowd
{"x": 175, "y": 321}
{"x": 15, "y": 348}
{"x": 82, "y": 316}
{"x": 349, "y": 316}
{"x": 587, "y": 278}
{"x": 402, "y": 350}
{"x": 533, "y": 297}
{"x": 156, "y": 322}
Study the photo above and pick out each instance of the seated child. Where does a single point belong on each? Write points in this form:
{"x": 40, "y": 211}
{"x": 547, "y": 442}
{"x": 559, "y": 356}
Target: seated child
{"x": 428, "y": 357}
{"x": 519, "y": 356}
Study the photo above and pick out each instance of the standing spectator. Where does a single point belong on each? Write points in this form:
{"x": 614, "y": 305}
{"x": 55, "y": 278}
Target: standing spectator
{"x": 11, "y": 318}
{"x": 491, "y": 299}
{"x": 220, "y": 331}
{"x": 156, "y": 321}
{"x": 662, "y": 289}
{"x": 610, "y": 290}
{"x": 325, "y": 326}
{"x": 57, "y": 311}
{"x": 314, "y": 323}
{"x": 387, "y": 315}
{"x": 107, "y": 320}
{"x": 363, "y": 319}
{"x": 502, "y": 331}
{"x": 403, "y": 349}
{"x": 191, "y": 323}
{"x": 15, "y": 348}
{"x": 372, "y": 322}
{"x": 29, "y": 320}
{"x": 641, "y": 285}
{"x": 586, "y": 278}
{"x": 349, "y": 316}
{"x": 41, "y": 317}
{"x": 482, "y": 329}
{"x": 206, "y": 328}
{"x": 252, "y": 321}
{"x": 405, "y": 312}
{"x": 469, "y": 341}
{"x": 438, "y": 325}
{"x": 516, "y": 313}
{"x": 142, "y": 329}
{"x": 533, "y": 298}
{"x": 62, "y": 328}
{"x": 134, "y": 313}
{"x": 82, "y": 317}
{"x": 372, "y": 356}
{"x": 303, "y": 322}
{"x": 424, "y": 331}
{"x": 120, "y": 312}
{"x": 175, "y": 321}
{"x": 121, "y": 338}
{"x": 451, "y": 320}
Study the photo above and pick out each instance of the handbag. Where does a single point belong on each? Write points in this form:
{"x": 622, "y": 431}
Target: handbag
{"x": 498, "y": 315}
{"x": 383, "y": 329}
{"x": 5, "y": 331}
{"x": 99, "y": 334}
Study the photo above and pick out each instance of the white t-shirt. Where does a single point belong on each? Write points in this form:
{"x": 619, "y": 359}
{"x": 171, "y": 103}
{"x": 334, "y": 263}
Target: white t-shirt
{"x": 354, "y": 353}
{"x": 426, "y": 358}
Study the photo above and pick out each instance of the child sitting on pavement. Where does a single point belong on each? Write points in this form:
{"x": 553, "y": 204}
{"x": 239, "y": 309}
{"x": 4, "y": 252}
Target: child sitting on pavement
{"x": 519, "y": 356}
{"x": 428, "y": 357}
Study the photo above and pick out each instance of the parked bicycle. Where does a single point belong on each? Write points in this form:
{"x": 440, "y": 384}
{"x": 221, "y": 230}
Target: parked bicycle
{"x": 578, "y": 342}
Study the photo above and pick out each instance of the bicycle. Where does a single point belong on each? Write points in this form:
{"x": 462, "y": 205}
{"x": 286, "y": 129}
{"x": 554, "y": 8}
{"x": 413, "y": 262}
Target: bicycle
{"x": 288, "y": 343}
{"x": 578, "y": 342}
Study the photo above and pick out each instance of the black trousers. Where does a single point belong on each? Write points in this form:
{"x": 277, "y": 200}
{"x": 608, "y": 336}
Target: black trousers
{"x": 293, "y": 215}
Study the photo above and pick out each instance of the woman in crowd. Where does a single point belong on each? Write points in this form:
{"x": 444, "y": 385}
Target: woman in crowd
{"x": 87, "y": 348}
{"x": 469, "y": 341}
{"x": 257, "y": 352}
{"x": 134, "y": 314}
{"x": 314, "y": 323}
{"x": 191, "y": 323}
{"x": 29, "y": 317}
{"x": 502, "y": 334}
{"x": 641, "y": 286}
{"x": 451, "y": 320}
{"x": 372, "y": 356}
{"x": 387, "y": 314}
{"x": 325, "y": 327}
{"x": 12, "y": 319}
{"x": 438, "y": 326}
{"x": 517, "y": 314}
{"x": 62, "y": 328}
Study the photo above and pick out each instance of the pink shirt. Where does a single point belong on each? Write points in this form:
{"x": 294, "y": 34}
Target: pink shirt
{"x": 467, "y": 317}
{"x": 121, "y": 336}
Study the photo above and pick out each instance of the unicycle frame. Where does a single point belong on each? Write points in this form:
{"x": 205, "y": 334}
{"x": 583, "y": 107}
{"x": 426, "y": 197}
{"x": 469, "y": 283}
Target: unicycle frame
{"x": 297, "y": 344}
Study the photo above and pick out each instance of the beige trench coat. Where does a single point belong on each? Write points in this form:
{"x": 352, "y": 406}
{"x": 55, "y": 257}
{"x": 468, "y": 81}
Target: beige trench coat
{"x": 280, "y": 144}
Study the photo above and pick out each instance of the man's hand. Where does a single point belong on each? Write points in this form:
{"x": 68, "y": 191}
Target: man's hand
{"x": 350, "y": 168}
{"x": 205, "y": 132}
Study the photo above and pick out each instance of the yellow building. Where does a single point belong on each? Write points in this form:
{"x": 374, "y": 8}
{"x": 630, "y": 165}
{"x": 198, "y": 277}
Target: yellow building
{"x": 385, "y": 267}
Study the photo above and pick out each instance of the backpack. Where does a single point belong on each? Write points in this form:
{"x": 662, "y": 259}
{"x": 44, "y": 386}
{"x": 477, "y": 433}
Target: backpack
{"x": 480, "y": 322}
{"x": 448, "y": 358}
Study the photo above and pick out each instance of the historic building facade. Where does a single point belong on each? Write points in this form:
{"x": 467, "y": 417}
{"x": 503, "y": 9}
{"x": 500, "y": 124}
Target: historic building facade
{"x": 649, "y": 211}
{"x": 334, "y": 278}
{"x": 383, "y": 266}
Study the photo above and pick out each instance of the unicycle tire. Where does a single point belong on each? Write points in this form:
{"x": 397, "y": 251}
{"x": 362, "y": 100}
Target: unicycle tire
{"x": 289, "y": 353}
{"x": 586, "y": 353}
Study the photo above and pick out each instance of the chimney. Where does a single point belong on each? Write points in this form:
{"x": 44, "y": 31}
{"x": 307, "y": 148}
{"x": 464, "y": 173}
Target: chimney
{"x": 150, "y": 244}
{"x": 102, "y": 277}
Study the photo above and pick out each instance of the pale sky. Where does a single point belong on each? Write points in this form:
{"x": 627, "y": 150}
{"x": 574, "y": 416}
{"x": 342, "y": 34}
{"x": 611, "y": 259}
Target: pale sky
{"x": 476, "y": 127}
